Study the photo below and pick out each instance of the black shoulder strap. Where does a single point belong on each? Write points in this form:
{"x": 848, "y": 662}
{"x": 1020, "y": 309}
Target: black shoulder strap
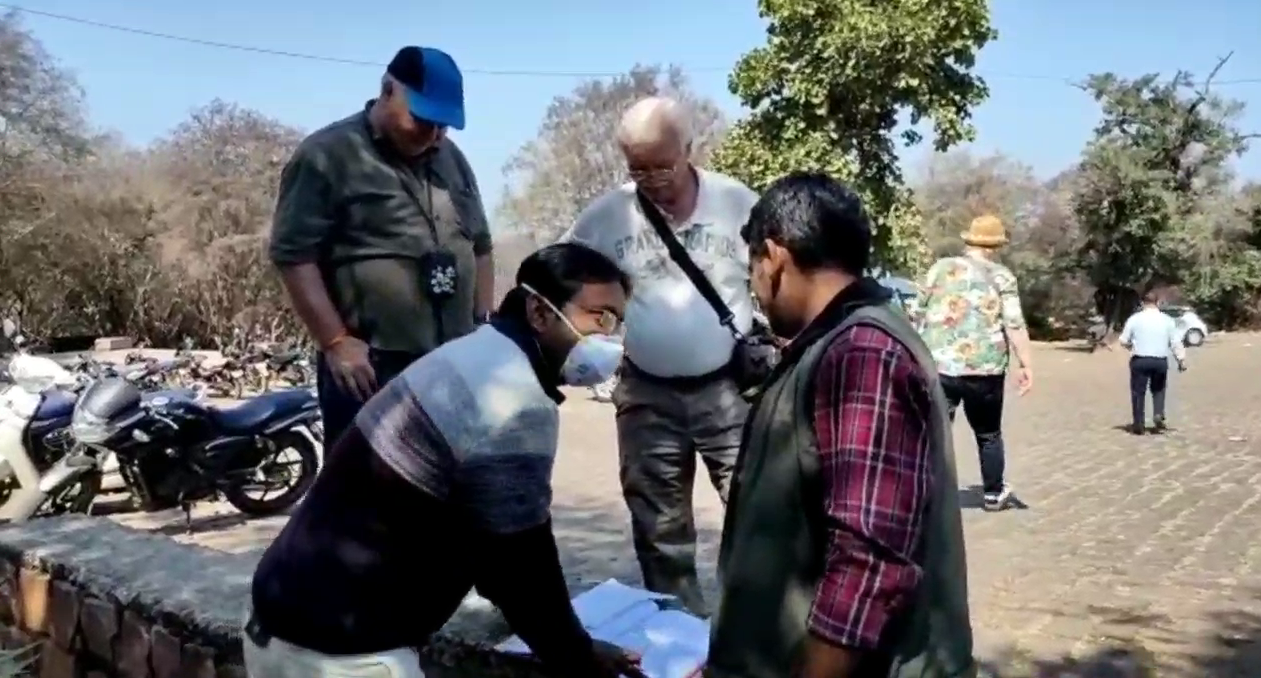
{"x": 678, "y": 254}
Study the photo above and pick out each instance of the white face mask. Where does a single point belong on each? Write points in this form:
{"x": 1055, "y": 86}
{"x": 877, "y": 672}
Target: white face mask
{"x": 593, "y": 359}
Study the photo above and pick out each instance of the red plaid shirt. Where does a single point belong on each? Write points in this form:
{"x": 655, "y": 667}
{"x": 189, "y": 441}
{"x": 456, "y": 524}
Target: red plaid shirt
{"x": 872, "y": 421}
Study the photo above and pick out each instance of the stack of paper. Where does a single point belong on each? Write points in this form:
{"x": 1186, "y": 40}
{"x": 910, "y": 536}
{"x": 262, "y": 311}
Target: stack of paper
{"x": 673, "y": 643}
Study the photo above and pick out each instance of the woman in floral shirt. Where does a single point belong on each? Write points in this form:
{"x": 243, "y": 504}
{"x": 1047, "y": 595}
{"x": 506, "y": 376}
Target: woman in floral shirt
{"x": 969, "y": 314}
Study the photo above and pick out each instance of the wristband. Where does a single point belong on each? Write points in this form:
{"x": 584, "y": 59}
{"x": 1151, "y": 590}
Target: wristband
{"x": 342, "y": 336}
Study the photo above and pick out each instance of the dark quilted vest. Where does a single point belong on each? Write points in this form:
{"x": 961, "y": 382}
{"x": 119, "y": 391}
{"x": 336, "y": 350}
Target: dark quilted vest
{"x": 773, "y": 546}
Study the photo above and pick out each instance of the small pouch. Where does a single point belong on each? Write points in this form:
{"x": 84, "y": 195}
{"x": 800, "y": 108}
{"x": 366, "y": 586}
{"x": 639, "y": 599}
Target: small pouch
{"x": 438, "y": 274}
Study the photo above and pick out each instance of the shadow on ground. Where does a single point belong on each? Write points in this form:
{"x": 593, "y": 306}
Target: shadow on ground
{"x": 1149, "y": 430}
{"x": 595, "y": 544}
{"x": 1075, "y": 347}
{"x": 202, "y": 524}
{"x": 1157, "y": 647}
{"x": 1125, "y": 642}
{"x": 973, "y": 497}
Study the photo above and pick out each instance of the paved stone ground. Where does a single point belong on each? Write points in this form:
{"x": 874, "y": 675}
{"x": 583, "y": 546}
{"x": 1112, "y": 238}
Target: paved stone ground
{"x": 1130, "y": 551}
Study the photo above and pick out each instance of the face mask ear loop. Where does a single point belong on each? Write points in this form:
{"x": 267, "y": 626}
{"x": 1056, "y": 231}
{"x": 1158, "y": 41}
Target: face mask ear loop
{"x": 555, "y": 310}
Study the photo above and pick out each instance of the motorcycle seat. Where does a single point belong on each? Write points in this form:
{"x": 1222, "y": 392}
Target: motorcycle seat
{"x": 261, "y": 410}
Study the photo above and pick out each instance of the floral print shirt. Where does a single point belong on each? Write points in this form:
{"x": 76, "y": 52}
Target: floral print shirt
{"x": 964, "y": 310}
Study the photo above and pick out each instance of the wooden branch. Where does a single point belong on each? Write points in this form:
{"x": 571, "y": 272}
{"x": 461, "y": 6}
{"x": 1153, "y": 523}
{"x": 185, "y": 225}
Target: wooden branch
{"x": 1183, "y": 135}
{"x": 1213, "y": 74}
{"x": 1203, "y": 91}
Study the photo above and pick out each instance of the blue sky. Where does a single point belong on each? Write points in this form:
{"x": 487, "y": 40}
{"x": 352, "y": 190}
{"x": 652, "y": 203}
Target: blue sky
{"x": 142, "y": 86}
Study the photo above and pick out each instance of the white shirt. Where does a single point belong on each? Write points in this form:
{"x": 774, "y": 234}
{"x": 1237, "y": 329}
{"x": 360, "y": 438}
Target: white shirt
{"x": 670, "y": 329}
{"x": 1152, "y": 334}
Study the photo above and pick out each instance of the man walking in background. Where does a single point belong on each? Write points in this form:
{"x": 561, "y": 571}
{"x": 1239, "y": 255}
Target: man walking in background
{"x": 380, "y": 234}
{"x": 969, "y": 315}
{"x": 1151, "y": 337}
{"x": 676, "y": 398}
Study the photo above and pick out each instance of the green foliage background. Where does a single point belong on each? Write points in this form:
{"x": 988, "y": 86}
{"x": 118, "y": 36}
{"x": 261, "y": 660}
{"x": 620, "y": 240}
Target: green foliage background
{"x": 828, "y": 89}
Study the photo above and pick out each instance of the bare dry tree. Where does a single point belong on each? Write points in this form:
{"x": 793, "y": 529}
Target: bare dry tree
{"x": 161, "y": 243}
{"x": 575, "y": 157}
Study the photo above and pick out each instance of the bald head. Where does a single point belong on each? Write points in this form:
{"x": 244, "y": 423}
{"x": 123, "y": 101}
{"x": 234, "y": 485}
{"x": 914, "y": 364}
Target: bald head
{"x": 654, "y": 121}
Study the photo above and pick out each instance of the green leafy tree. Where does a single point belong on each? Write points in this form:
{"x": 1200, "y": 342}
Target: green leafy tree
{"x": 827, "y": 90}
{"x": 1250, "y": 211}
{"x": 1155, "y": 199}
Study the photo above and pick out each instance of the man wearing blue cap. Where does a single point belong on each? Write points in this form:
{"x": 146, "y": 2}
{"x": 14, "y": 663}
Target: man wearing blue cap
{"x": 380, "y": 234}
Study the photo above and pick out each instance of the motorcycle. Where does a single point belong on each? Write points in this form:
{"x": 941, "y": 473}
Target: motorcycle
{"x": 1097, "y": 333}
{"x": 174, "y": 451}
{"x": 291, "y": 366}
{"x": 37, "y": 400}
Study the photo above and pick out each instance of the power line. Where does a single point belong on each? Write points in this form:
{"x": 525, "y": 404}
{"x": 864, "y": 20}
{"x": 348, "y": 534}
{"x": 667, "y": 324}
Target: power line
{"x": 476, "y": 71}
{"x": 1074, "y": 82}
{"x": 299, "y": 55}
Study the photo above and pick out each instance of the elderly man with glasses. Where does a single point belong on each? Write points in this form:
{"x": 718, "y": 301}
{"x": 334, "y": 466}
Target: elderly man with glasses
{"x": 678, "y": 397}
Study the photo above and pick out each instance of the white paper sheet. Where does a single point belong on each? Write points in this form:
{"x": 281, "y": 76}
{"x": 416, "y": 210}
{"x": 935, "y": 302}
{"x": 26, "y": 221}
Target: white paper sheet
{"x": 673, "y": 643}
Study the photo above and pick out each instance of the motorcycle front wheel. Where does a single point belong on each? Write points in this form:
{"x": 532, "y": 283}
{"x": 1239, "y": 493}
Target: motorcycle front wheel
{"x": 292, "y": 478}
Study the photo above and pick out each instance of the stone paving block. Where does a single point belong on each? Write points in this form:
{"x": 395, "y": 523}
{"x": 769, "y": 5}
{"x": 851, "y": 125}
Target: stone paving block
{"x": 99, "y": 620}
{"x": 33, "y": 586}
{"x": 134, "y": 644}
{"x": 165, "y": 654}
{"x": 64, "y": 605}
{"x": 55, "y": 662}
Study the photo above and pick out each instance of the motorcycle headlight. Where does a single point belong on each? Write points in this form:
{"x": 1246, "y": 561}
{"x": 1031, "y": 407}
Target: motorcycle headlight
{"x": 90, "y": 429}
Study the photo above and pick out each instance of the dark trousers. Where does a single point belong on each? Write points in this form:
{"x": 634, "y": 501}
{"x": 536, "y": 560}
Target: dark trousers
{"x": 662, "y": 428}
{"x": 338, "y": 407}
{"x": 1145, "y": 373}
{"x": 982, "y": 400}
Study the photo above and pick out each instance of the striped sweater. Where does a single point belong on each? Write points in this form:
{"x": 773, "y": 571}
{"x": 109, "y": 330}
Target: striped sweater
{"x": 470, "y": 422}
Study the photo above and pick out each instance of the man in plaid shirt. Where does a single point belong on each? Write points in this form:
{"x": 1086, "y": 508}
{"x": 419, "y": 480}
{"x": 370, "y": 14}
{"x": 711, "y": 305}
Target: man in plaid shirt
{"x": 842, "y": 555}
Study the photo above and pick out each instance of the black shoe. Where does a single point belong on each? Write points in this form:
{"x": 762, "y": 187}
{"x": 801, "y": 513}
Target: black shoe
{"x": 1137, "y": 429}
{"x": 1161, "y": 426}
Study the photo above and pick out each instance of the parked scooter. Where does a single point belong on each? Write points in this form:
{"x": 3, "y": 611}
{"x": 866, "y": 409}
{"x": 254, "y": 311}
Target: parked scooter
{"x": 37, "y": 400}
{"x": 177, "y": 451}
{"x": 21, "y": 400}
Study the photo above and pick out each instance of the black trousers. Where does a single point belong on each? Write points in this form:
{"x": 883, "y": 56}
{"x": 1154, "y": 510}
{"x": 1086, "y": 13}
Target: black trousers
{"x": 338, "y": 407}
{"x": 1148, "y": 373}
{"x": 982, "y": 399}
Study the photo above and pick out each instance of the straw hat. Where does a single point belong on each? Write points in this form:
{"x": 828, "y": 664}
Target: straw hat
{"x": 985, "y": 231}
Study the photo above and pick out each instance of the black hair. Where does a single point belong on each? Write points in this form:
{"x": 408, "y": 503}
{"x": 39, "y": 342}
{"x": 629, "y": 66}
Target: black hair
{"x": 408, "y": 67}
{"x": 557, "y": 272}
{"x": 820, "y": 221}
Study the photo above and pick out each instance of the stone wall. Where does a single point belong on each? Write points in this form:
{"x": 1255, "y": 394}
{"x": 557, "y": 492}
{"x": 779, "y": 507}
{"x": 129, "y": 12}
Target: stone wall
{"x": 94, "y": 599}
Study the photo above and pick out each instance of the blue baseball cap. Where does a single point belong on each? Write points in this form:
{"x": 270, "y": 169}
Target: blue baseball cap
{"x": 435, "y": 86}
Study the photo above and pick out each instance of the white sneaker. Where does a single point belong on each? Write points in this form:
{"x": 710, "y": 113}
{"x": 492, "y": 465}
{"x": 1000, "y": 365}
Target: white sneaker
{"x": 997, "y": 501}
{"x": 603, "y": 393}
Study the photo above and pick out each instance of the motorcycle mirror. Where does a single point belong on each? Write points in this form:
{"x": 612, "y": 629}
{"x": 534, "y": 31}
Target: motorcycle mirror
{"x": 10, "y": 328}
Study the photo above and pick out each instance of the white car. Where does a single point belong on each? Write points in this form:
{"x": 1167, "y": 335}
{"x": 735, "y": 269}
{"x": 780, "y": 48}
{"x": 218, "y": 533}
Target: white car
{"x": 904, "y": 291}
{"x": 1189, "y": 324}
